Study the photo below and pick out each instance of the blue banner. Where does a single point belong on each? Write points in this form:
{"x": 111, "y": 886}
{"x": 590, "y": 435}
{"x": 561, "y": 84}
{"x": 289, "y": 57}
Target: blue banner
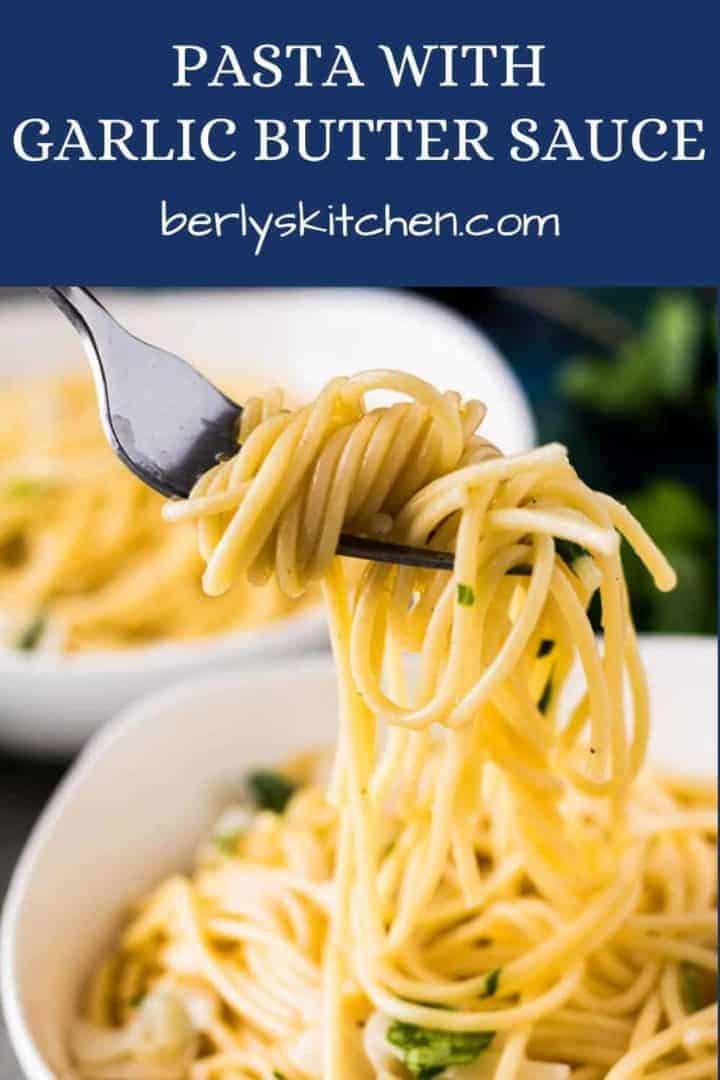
{"x": 513, "y": 144}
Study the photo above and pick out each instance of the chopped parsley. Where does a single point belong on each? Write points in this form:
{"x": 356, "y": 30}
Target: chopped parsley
{"x": 427, "y": 1052}
{"x": 226, "y": 843}
{"x": 492, "y": 981}
{"x": 136, "y": 1001}
{"x": 278, "y": 1075}
{"x": 26, "y": 487}
{"x": 29, "y": 638}
{"x": 465, "y": 594}
{"x": 690, "y": 987}
{"x": 545, "y": 647}
{"x": 546, "y": 696}
{"x": 270, "y": 790}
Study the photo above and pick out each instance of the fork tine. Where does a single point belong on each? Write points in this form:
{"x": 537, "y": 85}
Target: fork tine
{"x": 169, "y": 440}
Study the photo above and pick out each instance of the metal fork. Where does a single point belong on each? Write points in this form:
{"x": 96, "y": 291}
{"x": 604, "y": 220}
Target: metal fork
{"x": 169, "y": 424}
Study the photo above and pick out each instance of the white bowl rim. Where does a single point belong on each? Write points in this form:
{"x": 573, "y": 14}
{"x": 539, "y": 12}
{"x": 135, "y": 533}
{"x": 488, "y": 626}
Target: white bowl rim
{"x": 283, "y": 632}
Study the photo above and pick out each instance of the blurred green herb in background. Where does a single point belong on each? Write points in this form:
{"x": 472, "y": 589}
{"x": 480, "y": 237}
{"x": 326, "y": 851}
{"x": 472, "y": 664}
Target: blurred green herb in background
{"x": 657, "y": 396}
{"x": 658, "y": 366}
{"x": 685, "y": 528}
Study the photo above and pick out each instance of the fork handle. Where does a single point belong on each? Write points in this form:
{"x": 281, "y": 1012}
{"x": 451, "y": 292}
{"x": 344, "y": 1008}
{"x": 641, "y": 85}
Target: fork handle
{"x": 95, "y": 327}
{"x": 80, "y": 306}
{"x": 362, "y": 547}
{"x": 95, "y": 324}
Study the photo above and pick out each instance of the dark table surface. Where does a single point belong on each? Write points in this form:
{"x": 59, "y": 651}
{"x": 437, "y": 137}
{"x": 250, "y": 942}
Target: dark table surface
{"x": 25, "y": 786}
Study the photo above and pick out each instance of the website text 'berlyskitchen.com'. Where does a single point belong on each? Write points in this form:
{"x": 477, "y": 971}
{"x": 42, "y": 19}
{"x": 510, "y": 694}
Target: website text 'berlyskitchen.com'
{"x": 339, "y": 221}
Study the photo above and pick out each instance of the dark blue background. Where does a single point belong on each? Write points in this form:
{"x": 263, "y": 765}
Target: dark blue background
{"x": 622, "y": 223}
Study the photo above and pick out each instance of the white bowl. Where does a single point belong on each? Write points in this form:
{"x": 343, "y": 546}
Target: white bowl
{"x": 294, "y": 337}
{"x": 146, "y": 790}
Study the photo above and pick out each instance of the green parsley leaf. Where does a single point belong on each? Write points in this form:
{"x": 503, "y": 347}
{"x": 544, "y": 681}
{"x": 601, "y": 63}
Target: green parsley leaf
{"x": 690, "y": 987}
{"x": 545, "y": 647}
{"x": 26, "y": 487}
{"x": 426, "y": 1052}
{"x": 136, "y": 1001}
{"x": 465, "y": 595}
{"x": 226, "y": 843}
{"x": 29, "y": 637}
{"x": 546, "y": 696}
{"x": 270, "y": 790}
{"x": 278, "y": 1075}
{"x": 492, "y": 981}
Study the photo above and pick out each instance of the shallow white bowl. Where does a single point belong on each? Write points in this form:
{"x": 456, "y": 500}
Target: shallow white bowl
{"x": 294, "y": 337}
{"x": 147, "y": 789}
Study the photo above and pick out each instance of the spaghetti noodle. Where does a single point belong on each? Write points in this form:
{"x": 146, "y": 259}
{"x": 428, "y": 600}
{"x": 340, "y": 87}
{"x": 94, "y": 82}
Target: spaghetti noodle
{"x": 494, "y": 885}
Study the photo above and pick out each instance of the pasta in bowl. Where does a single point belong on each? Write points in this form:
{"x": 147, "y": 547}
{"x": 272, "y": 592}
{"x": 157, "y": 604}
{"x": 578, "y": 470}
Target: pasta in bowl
{"x": 491, "y": 881}
{"x": 136, "y": 814}
{"x": 85, "y": 565}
